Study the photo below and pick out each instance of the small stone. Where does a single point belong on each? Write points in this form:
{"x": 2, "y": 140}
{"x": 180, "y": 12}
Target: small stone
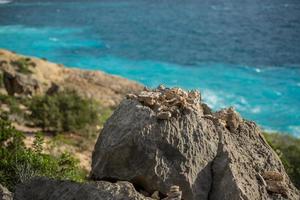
{"x": 230, "y": 118}
{"x": 161, "y": 87}
{"x": 143, "y": 192}
{"x": 206, "y": 109}
{"x": 5, "y": 194}
{"x": 131, "y": 96}
{"x": 174, "y": 193}
{"x": 164, "y": 115}
{"x": 155, "y": 195}
{"x": 276, "y": 187}
{"x": 194, "y": 94}
{"x": 273, "y": 176}
{"x": 149, "y": 101}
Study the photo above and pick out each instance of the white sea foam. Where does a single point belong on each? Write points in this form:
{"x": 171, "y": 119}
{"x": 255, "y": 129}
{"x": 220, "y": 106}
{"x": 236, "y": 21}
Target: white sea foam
{"x": 257, "y": 70}
{"x": 278, "y": 93}
{"x": 212, "y": 99}
{"x": 53, "y": 39}
{"x": 5, "y": 1}
{"x": 255, "y": 110}
{"x": 243, "y": 100}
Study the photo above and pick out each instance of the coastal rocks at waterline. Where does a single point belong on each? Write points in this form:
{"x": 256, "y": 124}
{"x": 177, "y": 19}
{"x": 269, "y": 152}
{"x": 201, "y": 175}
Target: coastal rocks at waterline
{"x": 48, "y": 189}
{"x": 166, "y": 137}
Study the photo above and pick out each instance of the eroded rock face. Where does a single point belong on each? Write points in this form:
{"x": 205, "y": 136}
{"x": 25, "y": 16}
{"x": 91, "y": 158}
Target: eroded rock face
{"x": 208, "y": 155}
{"x": 138, "y": 146}
{"x": 174, "y": 193}
{"x": 16, "y": 83}
{"x": 5, "y": 194}
{"x": 47, "y": 189}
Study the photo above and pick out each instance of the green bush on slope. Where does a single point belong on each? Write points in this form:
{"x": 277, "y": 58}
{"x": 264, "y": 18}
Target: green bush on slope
{"x": 12, "y": 102}
{"x": 19, "y": 163}
{"x": 288, "y": 149}
{"x": 23, "y": 64}
{"x": 64, "y": 111}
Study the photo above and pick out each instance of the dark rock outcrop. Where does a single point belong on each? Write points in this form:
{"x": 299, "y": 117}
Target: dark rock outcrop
{"x": 167, "y": 137}
{"x": 5, "y": 194}
{"x": 47, "y": 189}
{"x": 16, "y": 83}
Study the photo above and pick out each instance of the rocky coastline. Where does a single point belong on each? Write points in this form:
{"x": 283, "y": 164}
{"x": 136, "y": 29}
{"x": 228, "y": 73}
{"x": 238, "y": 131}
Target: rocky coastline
{"x": 162, "y": 143}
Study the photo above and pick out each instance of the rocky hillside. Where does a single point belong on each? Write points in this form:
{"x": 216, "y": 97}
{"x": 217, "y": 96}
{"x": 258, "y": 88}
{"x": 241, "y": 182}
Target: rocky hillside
{"x": 167, "y": 144}
{"x": 24, "y": 75}
{"x": 163, "y": 143}
{"x": 24, "y": 78}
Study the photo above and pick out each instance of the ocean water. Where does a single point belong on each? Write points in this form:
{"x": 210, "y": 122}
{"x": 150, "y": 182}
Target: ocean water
{"x": 241, "y": 53}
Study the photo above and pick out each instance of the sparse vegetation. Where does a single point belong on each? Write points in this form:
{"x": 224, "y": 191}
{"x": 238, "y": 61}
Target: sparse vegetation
{"x": 1, "y": 80}
{"x": 19, "y": 163}
{"x": 12, "y": 103}
{"x": 64, "y": 112}
{"x": 23, "y": 65}
{"x": 288, "y": 149}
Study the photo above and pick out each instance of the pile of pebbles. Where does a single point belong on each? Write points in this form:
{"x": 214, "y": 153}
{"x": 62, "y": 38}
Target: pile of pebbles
{"x": 168, "y": 102}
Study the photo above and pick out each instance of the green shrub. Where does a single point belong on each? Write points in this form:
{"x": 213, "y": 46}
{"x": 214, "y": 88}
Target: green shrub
{"x": 12, "y": 102}
{"x": 64, "y": 111}
{"x": 23, "y": 64}
{"x": 288, "y": 149}
{"x": 19, "y": 163}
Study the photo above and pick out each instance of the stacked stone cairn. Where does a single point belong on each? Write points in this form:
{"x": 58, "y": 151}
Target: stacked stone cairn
{"x": 168, "y": 102}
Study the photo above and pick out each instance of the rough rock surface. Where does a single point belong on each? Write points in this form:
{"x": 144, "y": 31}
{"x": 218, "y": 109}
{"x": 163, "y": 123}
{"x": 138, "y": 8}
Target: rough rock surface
{"x": 174, "y": 193}
{"x": 5, "y": 194}
{"x": 46, "y": 77}
{"x": 47, "y": 189}
{"x": 209, "y": 155}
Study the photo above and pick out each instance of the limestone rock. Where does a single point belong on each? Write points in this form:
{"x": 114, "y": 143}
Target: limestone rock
{"x": 5, "y": 194}
{"x": 47, "y": 189}
{"x": 168, "y": 102}
{"x": 218, "y": 156}
{"x": 155, "y": 195}
{"x": 275, "y": 182}
{"x": 230, "y": 118}
{"x": 174, "y": 193}
{"x": 16, "y": 83}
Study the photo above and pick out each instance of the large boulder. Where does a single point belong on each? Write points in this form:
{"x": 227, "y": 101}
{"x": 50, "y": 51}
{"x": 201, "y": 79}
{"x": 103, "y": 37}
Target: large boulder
{"x": 168, "y": 137}
{"x": 47, "y": 189}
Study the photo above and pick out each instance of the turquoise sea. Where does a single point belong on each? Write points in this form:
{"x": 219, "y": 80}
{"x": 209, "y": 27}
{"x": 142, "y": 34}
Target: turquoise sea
{"x": 244, "y": 53}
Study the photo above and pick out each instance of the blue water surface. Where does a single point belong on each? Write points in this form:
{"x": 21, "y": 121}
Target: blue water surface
{"x": 244, "y": 53}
